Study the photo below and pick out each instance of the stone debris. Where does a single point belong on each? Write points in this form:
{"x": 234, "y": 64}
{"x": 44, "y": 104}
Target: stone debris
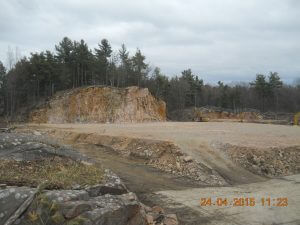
{"x": 206, "y": 113}
{"x": 273, "y": 162}
{"x": 157, "y": 216}
{"x": 187, "y": 159}
{"x": 162, "y": 155}
{"x": 37, "y": 133}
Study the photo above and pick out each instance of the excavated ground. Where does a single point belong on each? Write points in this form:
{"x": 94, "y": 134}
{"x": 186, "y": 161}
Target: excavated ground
{"x": 176, "y": 164}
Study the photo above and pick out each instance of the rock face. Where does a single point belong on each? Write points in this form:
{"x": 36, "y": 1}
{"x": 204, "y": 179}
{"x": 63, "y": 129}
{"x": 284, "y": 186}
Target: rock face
{"x": 99, "y": 104}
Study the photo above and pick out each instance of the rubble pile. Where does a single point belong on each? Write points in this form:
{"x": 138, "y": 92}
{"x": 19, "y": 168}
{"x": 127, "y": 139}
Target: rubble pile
{"x": 163, "y": 155}
{"x": 211, "y": 113}
{"x": 284, "y": 117}
{"x": 98, "y": 104}
{"x": 273, "y": 162}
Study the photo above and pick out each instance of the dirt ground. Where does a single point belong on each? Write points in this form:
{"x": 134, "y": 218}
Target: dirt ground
{"x": 203, "y": 142}
{"x": 191, "y": 133}
{"x": 275, "y": 213}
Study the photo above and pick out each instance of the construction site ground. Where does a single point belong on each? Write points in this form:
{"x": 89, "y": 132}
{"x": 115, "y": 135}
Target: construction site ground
{"x": 211, "y": 145}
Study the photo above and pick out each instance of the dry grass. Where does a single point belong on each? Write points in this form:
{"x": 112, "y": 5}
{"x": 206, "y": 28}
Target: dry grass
{"x": 57, "y": 173}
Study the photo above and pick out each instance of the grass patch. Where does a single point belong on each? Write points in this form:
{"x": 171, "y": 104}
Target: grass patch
{"x": 57, "y": 173}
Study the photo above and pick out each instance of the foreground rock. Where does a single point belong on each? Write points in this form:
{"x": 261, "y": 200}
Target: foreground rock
{"x": 71, "y": 207}
{"x": 79, "y": 207}
{"x": 107, "y": 203}
{"x": 101, "y": 104}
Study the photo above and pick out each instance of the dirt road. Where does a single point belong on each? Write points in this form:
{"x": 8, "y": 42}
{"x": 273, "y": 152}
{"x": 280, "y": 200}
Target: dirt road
{"x": 277, "y": 211}
{"x": 201, "y": 141}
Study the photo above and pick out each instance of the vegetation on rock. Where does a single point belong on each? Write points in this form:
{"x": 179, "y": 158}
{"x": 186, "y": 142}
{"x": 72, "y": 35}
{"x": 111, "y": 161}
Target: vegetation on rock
{"x": 56, "y": 173}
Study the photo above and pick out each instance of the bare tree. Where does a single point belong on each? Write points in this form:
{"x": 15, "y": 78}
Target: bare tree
{"x": 10, "y": 58}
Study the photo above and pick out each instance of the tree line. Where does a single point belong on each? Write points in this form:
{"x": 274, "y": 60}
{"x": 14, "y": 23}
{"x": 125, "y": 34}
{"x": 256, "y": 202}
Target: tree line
{"x": 73, "y": 64}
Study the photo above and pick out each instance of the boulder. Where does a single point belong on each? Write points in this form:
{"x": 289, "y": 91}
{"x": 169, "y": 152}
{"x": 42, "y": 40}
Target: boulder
{"x": 187, "y": 159}
{"x": 60, "y": 206}
{"x": 11, "y": 198}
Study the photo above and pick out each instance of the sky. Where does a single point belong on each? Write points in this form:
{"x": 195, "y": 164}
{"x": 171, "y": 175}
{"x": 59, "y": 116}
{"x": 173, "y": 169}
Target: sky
{"x": 228, "y": 40}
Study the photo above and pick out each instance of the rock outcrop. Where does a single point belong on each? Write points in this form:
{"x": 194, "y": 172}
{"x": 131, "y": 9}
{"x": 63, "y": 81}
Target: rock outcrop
{"x": 59, "y": 207}
{"x": 108, "y": 202}
{"x": 98, "y": 104}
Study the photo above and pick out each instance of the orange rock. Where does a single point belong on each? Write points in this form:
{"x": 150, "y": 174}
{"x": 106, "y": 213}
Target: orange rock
{"x": 98, "y": 104}
{"x": 157, "y": 209}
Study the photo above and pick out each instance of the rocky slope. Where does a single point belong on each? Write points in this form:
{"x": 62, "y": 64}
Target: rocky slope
{"x": 97, "y": 104}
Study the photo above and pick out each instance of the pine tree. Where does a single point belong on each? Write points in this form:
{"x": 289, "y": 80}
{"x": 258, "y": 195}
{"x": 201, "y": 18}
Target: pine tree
{"x": 103, "y": 53}
{"x": 140, "y": 67}
{"x": 262, "y": 89}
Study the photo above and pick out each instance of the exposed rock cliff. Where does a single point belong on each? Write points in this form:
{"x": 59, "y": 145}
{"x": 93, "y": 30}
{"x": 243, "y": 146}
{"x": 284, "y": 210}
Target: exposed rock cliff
{"x": 99, "y": 104}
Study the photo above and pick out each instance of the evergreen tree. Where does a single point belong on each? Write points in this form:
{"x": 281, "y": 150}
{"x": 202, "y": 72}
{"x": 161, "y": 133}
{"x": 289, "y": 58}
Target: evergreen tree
{"x": 2, "y": 74}
{"x": 125, "y": 67}
{"x": 64, "y": 54}
{"x": 262, "y": 88}
{"x": 103, "y": 54}
{"x": 82, "y": 57}
{"x": 195, "y": 85}
{"x": 73, "y": 64}
{"x": 160, "y": 85}
{"x": 274, "y": 85}
{"x": 140, "y": 67}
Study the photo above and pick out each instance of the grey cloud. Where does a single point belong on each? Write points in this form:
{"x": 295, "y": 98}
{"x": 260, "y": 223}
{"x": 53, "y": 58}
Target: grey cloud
{"x": 219, "y": 39}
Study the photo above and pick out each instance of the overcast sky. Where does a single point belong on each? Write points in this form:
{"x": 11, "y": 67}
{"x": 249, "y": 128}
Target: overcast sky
{"x": 229, "y": 40}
